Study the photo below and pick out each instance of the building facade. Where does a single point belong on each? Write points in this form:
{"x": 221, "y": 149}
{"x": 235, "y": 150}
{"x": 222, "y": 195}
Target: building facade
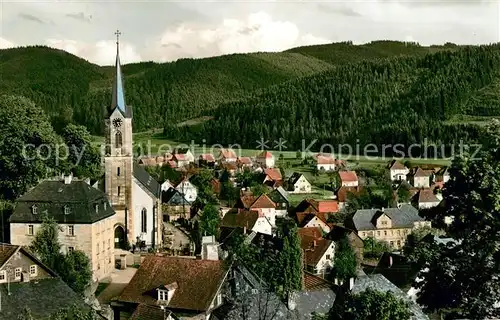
{"x": 83, "y": 213}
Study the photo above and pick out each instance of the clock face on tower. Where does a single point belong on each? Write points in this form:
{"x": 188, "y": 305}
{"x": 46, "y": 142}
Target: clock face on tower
{"x": 117, "y": 123}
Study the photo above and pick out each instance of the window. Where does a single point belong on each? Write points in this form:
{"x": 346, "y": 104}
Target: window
{"x": 98, "y": 266}
{"x": 34, "y": 209}
{"x": 144, "y": 220}
{"x": 66, "y": 210}
{"x": 162, "y": 295}
{"x": 118, "y": 171}
{"x": 3, "y": 276}
{"x": 392, "y": 244}
{"x": 399, "y": 243}
{"x": 103, "y": 246}
{"x": 71, "y": 249}
{"x": 378, "y": 233}
{"x": 98, "y": 248}
{"x": 118, "y": 190}
{"x": 105, "y": 205}
{"x": 383, "y": 223}
{"x": 327, "y": 257}
{"x": 385, "y": 233}
{"x": 33, "y": 270}
{"x": 109, "y": 244}
{"x": 71, "y": 231}
{"x": 96, "y": 208}
{"x": 17, "y": 273}
{"x": 364, "y": 234}
{"x": 109, "y": 260}
{"x": 30, "y": 230}
{"x": 118, "y": 139}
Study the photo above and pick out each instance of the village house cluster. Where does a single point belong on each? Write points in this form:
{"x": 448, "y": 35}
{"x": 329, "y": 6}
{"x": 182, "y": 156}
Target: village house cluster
{"x": 129, "y": 215}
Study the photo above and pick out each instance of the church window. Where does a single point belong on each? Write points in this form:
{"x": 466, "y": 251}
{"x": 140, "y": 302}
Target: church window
{"x": 143, "y": 220}
{"x": 118, "y": 171}
{"x": 34, "y": 209}
{"x": 118, "y": 139}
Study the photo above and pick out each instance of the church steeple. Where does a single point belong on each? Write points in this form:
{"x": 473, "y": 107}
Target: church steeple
{"x": 118, "y": 93}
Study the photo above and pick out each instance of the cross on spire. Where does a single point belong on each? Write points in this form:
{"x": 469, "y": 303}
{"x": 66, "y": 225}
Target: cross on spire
{"x": 118, "y": 34}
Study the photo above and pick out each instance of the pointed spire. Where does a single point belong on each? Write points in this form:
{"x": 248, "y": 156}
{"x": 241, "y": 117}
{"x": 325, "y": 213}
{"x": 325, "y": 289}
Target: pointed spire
{"x": 118, "y": 94}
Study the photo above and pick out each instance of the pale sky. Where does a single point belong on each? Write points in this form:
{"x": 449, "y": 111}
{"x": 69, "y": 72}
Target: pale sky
{"x": 169, "y": 30}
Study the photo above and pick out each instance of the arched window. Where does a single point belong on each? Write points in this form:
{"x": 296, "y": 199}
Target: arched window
{"x": 118, "y": 139}
{"x": 144, "y": 217}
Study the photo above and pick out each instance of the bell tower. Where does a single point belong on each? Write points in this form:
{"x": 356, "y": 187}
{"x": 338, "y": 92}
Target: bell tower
{"x": 118, "y": 160}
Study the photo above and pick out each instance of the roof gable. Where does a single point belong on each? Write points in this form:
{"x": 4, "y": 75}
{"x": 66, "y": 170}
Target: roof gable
{"x": 348, "y": 176}
{"x": 263, "y": 202}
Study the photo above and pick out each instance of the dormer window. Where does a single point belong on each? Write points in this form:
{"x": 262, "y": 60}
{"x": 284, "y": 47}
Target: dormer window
{"x": 105, "y": 205}
{"x": 166, "y": 292}
{"x": 67, "y": 210}
{"x": 96, "y": 208}
{"x": 162, "y": 295}
{"x": 34, "y": 209}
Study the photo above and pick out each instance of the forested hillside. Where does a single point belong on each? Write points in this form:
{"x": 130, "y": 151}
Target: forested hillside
{"x": 71, "y": 89}
{"x": 387, "y": 101}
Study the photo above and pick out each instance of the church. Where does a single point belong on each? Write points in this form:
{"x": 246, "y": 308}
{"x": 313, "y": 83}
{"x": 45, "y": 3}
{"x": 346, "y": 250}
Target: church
{"x": 133, "y": 193}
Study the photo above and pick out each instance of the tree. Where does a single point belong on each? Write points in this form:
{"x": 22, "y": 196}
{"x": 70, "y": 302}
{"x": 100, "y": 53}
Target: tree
{"x": 84, "y": 158}
{"x": 464, "y": 278}
{"x": 371, "y": 305}
{"x": 258, "y": 189}
{"x": 404, "y": 194}
{"x": 229, "y": 192}
{"x": 73, "y": 268}
{"x": 209, "y": 221}
{"x": 29, "y": 147}
{"x": 374, "y": 248}
{"x": 345, "y": 264}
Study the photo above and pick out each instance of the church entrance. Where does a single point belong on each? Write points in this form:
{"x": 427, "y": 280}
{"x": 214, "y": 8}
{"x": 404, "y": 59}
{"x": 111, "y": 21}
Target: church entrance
{"x": 119, "y": 237}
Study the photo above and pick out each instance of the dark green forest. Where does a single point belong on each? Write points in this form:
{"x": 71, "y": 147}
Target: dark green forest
{"x": 70, "y": 89}
{"x": 398, "y": 100}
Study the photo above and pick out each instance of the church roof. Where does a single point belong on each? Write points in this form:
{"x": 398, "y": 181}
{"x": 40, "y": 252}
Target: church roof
{"x": 146, "y": 180}
{"x": 118, "y": 92}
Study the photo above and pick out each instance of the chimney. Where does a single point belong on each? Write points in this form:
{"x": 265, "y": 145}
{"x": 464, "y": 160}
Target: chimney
{"x": 383, "y": 209}
{"x": 68, "y": 178}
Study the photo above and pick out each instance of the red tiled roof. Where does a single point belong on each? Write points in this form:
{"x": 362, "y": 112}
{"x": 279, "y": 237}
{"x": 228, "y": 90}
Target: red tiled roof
{"x": 348, "y": 176}
{"x": 273, "y": 173}
{"x": 247, "y": 200}
{"x": 312, "y": 282}
{"x": 343, "y": 192}
{"x": 324, "y": 159}
{"x": 422, "y": 173}
{"x": 265, "y": 154}
{"x": 263, "y": 202}
{"x": 230, "y": 166}
{"x": 427, "y": 195}
{"x": 313, "y": 232}
{"x": 303, "y": 218}
{"x": 314, "y": 249}
{"x": 228, "y": 154}
{"x": 180, "y": 157}
{"x": 207, "y": 157}
{"x": 328, "y": 206}
{"x": 172, "y": 164}
{"x": 245, "y": 160}
{"x": 396, "y": 165}
{"x": 198, "y": 282}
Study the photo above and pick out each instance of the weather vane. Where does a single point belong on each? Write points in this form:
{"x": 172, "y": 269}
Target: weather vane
{"x": 117, "y": 33}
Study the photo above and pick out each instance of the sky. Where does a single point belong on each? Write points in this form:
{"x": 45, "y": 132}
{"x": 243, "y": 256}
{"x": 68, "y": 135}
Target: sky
{"x": 165, "y": 30}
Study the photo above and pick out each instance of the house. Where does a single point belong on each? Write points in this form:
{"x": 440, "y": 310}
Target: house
{"x": 244, "y": 162}
{"x": 251, "y": 299}
{"x": 343, "y": 195}
{"x": 325, "y": 162}
{"x": 227, "y": 155}
{"x": 298, "y": 184}
{"x": 272, "y": 177}
{"x": 425, "y": 198}
{"x": 348, "y": 178}
{"x": 188, "y": 189}
{"x": 318, "y": 252}
{"x": 183, "y": 156}
{"x": 175, "y": 205}
{"x": 391, "y": 224}
{"x": 337, "y": 233}
{"x": 265, "y": 159}
{"x": 262, "y": 204}
{"x": 184, "y": 286}
{"x": 316, "y": 297}
{"x": 421, "y": 178}
{"x": 166, "y": 185}
{"x": 84, "y": 214}
{"x": 380, "y": 283}
{"x": 248, "y": 220}
{"x": 397, "y": 171}
{"x": 31, "y": 285}
{"x": 281, "y": 198}
{"x": 313, "y": 220}
{"x": 318, "y": 206}
{"x": 206, "y": 160}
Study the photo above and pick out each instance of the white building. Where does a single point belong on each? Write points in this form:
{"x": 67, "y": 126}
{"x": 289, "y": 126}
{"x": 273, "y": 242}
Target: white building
{"x": 325, "y": 162}
{"x": 265, "y": 159}
{"x": 348, "y": 179}
{"x": 188, "y": 189}
{"x": 398, "y": 171}
{"x": 166, "y": 185}
{"x": 298, "y": 184}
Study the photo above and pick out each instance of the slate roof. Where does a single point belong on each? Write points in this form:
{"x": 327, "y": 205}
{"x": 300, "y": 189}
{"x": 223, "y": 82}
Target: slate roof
{"x": 309, "y": 301}
{"x": 118, "y": 92}
{"x": 146, "y": 180}
{"x": 402, "y": 217}
{"x": 147, "y": 312}
{"x": 380, "y": 283}
{"x": 198, "y": 282}
{"x": 34, "y": 295}
{"x": 52, "y": 196}
{"x": 282, "y": 192}
{"x": 174, "y": 197}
